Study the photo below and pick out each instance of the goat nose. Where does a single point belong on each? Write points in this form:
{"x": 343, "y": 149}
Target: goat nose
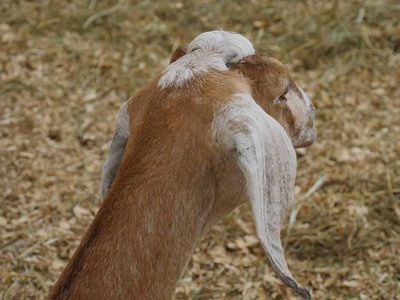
{"x": 312, "y": 107}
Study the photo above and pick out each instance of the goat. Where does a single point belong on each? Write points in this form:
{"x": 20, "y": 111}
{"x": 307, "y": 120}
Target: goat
{"x": 216, "y": 128}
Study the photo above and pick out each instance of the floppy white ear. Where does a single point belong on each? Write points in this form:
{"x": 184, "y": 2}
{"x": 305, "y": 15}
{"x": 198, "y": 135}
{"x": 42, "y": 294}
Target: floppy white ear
{"x": 116, "y": 152}
{"x": 268, "y": 161}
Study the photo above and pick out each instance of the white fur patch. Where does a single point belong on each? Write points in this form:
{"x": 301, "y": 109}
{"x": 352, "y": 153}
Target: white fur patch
{"x": 268, "y": 161}
{"x": 117, "y": 150}
{"x": 304, "y": 112}
{"x": 209, "y": 50}
{"x": 190, "y": 65}
{"x": 233, "y": 46}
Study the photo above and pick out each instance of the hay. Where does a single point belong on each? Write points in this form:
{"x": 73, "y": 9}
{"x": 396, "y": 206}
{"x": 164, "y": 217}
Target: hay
{"x": 61, "y": 85}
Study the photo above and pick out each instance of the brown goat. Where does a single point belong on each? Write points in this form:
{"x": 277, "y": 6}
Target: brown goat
{"x": 190, "y": 147}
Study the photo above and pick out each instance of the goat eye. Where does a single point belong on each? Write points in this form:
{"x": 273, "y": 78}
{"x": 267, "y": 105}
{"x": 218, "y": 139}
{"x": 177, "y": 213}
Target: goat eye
{"x": 283, "y": 97}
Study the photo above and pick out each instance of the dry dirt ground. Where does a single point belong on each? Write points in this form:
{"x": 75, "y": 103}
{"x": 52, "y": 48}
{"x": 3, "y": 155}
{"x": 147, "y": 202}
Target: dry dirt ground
{"x": 67, "y": 66}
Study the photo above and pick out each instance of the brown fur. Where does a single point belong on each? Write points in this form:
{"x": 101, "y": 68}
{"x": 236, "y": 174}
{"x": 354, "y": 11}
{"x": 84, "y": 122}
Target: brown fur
{"x": 156, "y": 210}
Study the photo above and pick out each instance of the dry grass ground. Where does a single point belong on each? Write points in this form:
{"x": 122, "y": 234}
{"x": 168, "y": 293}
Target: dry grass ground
{"x": 65, "y": 70}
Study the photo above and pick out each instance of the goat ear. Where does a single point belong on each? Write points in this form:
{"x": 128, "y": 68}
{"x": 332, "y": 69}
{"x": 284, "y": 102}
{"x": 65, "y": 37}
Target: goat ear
{"x": 178, "y": 53}
{"x": 116, "y": 152}
{"x": 267, "y": 159}
{"x": 254, "y": 66}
